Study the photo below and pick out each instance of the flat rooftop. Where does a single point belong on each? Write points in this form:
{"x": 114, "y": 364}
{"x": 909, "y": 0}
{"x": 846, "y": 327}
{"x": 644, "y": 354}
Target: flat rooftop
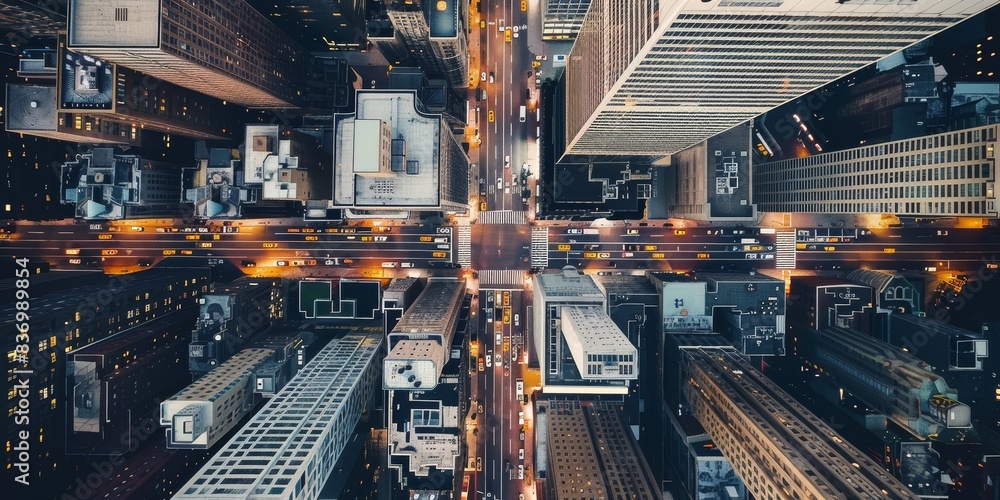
{"x": 114, "y": 23}
{"x": 594, "y": 330}
{"x": 417, "y": 184}
{"x": 568, "y": 283}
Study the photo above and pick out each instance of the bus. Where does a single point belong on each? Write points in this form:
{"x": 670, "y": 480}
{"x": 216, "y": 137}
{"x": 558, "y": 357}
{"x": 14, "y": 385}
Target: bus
{"x": 523, "y": 111}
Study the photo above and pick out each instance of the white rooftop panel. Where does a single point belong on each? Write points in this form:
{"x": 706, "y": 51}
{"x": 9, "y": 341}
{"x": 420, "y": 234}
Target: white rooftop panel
{"x": 114, "y": 23}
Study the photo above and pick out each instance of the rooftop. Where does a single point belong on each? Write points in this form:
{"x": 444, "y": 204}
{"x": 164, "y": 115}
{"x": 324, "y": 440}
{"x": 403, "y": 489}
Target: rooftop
{"x": 569, "y": 283}
{"x": 114, "y": 23}
{"x": 593, "y": 329}
{"x": 414, "y": 177}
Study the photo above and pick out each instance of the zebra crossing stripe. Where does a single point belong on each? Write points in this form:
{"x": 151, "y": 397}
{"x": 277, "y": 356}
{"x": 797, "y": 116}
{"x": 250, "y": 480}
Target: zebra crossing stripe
{"x": 501, "y": 277}
{"x": 503, "y": 217}
{"x": 784, "y": 247}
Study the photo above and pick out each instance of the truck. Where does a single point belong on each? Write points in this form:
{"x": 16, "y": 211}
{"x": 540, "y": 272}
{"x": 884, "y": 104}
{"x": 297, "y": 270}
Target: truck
{"x": 519, "y": 388}
{"x": 523, "y": 111}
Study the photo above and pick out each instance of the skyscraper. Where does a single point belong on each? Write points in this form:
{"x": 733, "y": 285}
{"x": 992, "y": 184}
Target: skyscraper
{"x": 271, "y": 456}
{"x": 223, "y": 48}
{"x": 434, "y": 31}
{"x": 685, "y": 70}
{"x": 943, "y": 175}
{"x": 73, "y": 318}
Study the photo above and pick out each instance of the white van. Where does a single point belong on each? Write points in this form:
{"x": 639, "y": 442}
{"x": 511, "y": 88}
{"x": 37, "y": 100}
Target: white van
{"x": 388, "y": 264}
{"x": 523, "y": 110}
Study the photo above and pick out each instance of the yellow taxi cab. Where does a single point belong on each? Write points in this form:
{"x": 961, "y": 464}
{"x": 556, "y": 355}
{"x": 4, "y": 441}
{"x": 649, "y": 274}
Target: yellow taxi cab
{"x": 482, "y": 24}
{"x": 800, "y": 246}
{"x": 109, "y": 252}
{"x": 270, "y": 245}
{"x": 491, "y": 116}
{"x": 506, "y": 300}
{"x": 658, "y": 255}
{"x": 367, "y": 238}
{"x": 439, "y": 255}
{"x": 829, "y": 249}
{"x": 425, "y": 238}
{"x": 192, "y": 237}
{"x": 564, "y": 248}
{"x": 889, "y": 250}
{"x": 506, "y": 35}
{"x": 482, "y": 206}
{"x": 679, "y": 232}
{"x": 186, "y": 252}
{"x": 294, "y": 230}
{"x": 170, "y": 252}
{"x": 205, "y": 244}
{"x": 703, "y": 256}
{"x": 524, "y": 5}
{"x": 589, "y": 255}
{"x": 312, "y": 238}
{"x": 650, "y": 248}
{"x": 104, "y": 236}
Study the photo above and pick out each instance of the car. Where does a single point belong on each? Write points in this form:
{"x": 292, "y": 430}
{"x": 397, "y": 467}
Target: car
{"x": 604, "y": 255}
{"x": 144, "y": 262}
{"x": 751, "y": 256}
{"x": 109, "y": 252}
{"x": 248, "y": 263}
{"x": 482, "y": 206}
{"x": 202, "y": 229}
{"x": 506, "y": 161}
{"x": 482, "y": 76}
{"x": 309, "y": 238}
{"x": 187, "y": 252}
{"x": 500, "y": 25}
{"x": 703, "y": 256}
{"x": 74, "y": 261}
{"x": 520, "y": 453}
{"x": 138, "y": 228}
{"x": 282, "y": 263}
{"x": 482, "y": 24}
{"x": 679, "y": 232}
{"x": 491, "y": 77}
{"x": 632, "y": 231}
{"x": 479, "y": 464}
{"x": 522, "y": 435}
{"x": 480, "y": 407}
{"x": 769, "y": 256}
{"x": 490, "y": 114}
{"x": 106, "y": 236}
{"x": 482, "y": 188}
{"x": 626, "y": 255}
{"x": 114, "y": 229}
{"x": 169, "y": 252}
{"x": 514, "y": 28}
{"x": 630, "y": 248}
{"x": 520, "y": 418}
{"x": 205, "y": 244}
{"x": 482, "y": 364}
{"x": 499, "y": 358}
{"x": 390, "y": 264}
{"x": 331, "y": 262}
{"x": 270, "y": 245}
{"x": 161, "y": 229}
{"x": 829, "y": 249}
{"x": 406, "y": 264}
{"x": 517, "y": 320}
{"x": 499, "y": 339}
{"x": 506, "y": 370}
{"x": 489, "y": 359}
{"x": 574, "y": 230}
{"x": 520, "y": 471}
{"x": 499, "y": 183}
{"x": 507, "y": 35}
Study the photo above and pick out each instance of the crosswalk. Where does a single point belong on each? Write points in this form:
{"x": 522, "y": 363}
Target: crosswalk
{"x": 501, "y": 277}
{"x": 465, "y": 246}
{"x": 539, "y": 247}
{"x": 503, "y": 217}
{"x": 784, "y": 249}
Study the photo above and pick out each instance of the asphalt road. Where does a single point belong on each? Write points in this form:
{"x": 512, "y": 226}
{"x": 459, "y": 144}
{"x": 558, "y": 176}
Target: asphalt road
{"x": 499, "y": 438}
{"x": 117, "y": 245}
{"x": 506, "y": 135}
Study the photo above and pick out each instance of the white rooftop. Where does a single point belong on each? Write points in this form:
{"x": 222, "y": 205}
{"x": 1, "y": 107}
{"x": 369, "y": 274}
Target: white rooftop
{"x": 114, "y": 23}
{"x": 594, "y": 331}
{"x": 569, "y": 283}
{"x": 358, "y": 185}
{"x": 414, "y": 364}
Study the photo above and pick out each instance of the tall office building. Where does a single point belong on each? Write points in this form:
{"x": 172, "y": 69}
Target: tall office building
{"x": 952, "y": 174}
{"x": 425, "y": 376}
{"x": 592, "y": 454}
{"x": 229, "y": 316}
{"x": 289, "y": 448}
{"x": 434, "y": 32}
{"x": 205, "y": 411}
{"x": 222, "y": 48}
{"x": 105, "y": 185}
{"x": 562, "y": 19}
{"x": 778, "y": 447}
{"x": 580, "y": 348}
{"x": 685, "y": 70}
{"x": 113, "y": 384}
{"x": 392, "y": 155}
{"x": 75, "y": 317}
